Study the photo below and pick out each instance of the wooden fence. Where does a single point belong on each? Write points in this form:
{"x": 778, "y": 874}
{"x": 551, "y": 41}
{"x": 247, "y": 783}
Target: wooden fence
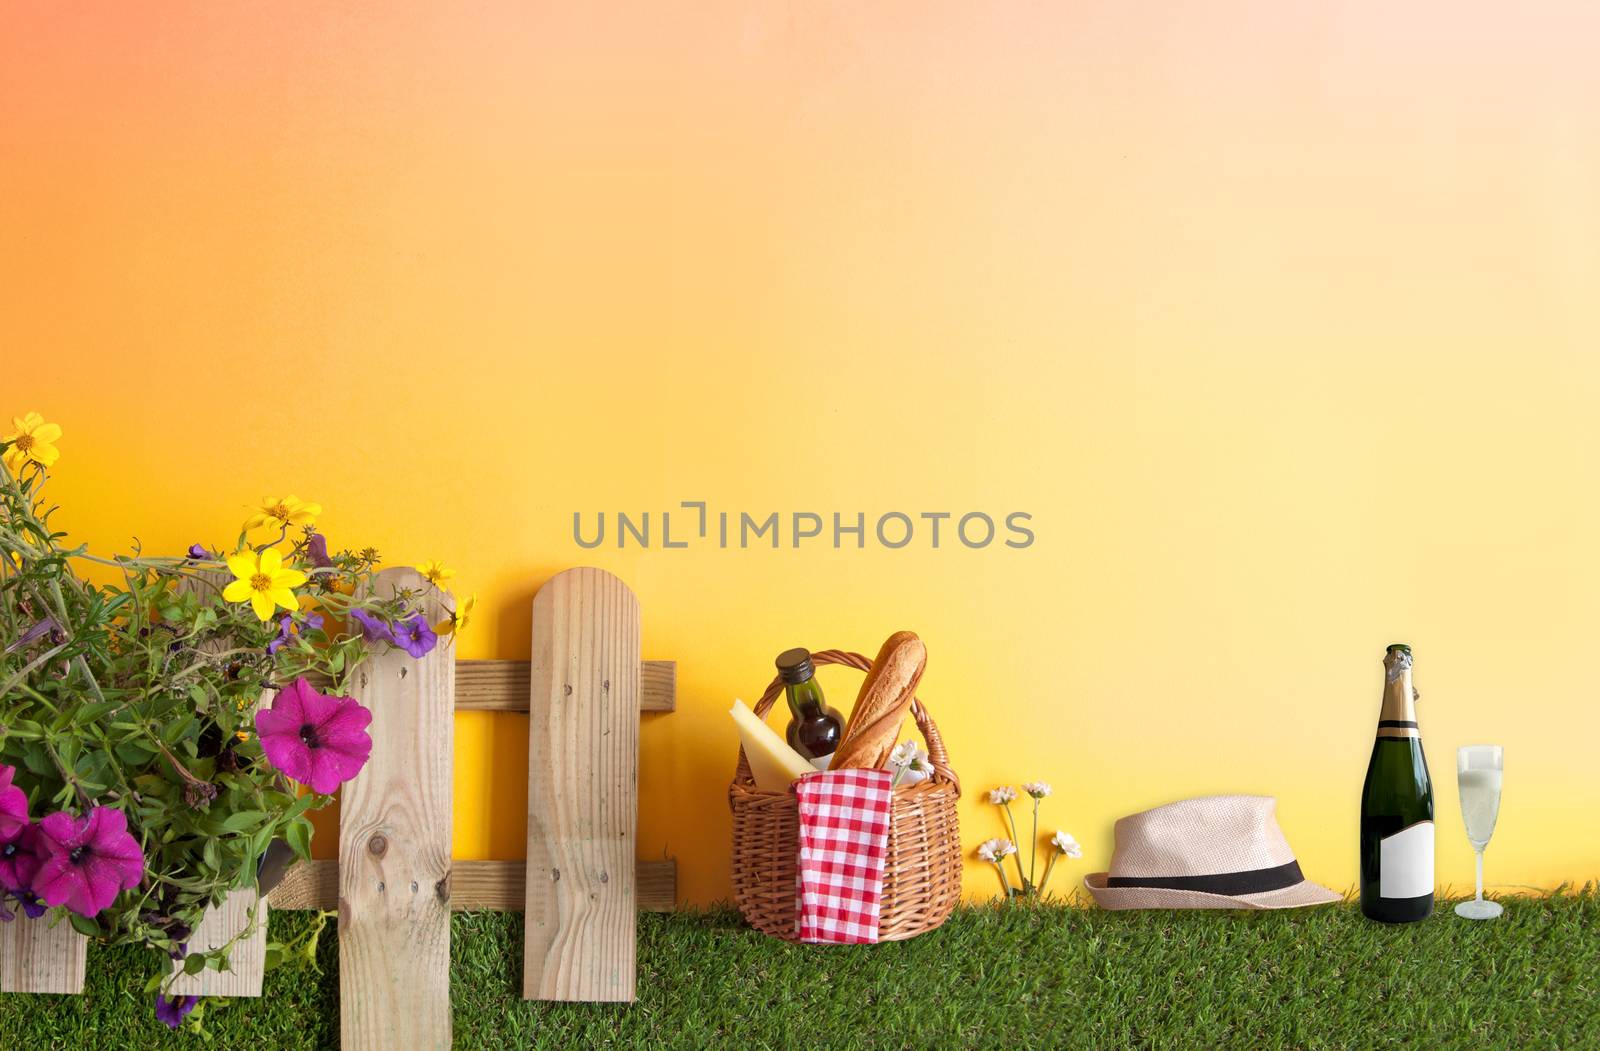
{"x": 395, "y": 884}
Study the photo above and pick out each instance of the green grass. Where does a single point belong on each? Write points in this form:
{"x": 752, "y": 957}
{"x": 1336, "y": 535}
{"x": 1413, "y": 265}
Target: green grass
{"x": 991, "y": 977}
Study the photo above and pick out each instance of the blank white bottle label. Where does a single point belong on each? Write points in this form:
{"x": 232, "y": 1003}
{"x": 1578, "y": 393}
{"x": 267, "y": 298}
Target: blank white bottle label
{"x": 1405, "y": 862}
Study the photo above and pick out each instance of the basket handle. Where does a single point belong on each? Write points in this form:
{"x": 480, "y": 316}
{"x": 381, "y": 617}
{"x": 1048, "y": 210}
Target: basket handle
{"x": 938, "y": 758}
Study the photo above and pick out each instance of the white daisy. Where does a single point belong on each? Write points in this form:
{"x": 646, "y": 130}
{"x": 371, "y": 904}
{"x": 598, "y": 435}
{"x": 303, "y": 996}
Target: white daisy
{"x": 995, "y": 849}
{"x": 1064, "y": 842}
{"x": 909, "y": 764}
{"x": 904, "y": 754}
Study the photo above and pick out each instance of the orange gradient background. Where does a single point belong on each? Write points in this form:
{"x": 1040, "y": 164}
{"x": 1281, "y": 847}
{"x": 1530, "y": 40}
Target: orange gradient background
{"x": 1280, "y": 319}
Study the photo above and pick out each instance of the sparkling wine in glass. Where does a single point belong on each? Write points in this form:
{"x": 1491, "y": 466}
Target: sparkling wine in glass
{"x": 1478, "y": 770}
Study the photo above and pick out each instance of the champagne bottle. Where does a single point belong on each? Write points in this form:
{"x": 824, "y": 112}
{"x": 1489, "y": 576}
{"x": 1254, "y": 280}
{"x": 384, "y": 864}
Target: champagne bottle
{"x": 815, "y": 729}
{"x": 1397, "y": 806}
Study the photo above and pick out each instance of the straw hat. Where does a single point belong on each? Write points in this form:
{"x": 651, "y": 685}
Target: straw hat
{"x": 1216, "y": 852}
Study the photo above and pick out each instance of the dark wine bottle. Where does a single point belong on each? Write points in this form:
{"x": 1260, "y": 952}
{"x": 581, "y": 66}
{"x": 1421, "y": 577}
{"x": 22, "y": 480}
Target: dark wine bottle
{"x": 1397, "y": 806}
{"x": 814, "y": 728}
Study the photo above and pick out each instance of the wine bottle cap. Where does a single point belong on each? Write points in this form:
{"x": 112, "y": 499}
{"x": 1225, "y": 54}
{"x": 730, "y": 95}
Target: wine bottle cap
{"x": 794, "y": 666}
{"x": 1399, "y": 646}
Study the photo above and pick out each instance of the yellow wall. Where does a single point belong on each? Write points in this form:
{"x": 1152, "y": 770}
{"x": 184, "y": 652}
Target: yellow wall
{"x": 1280, "y": 320}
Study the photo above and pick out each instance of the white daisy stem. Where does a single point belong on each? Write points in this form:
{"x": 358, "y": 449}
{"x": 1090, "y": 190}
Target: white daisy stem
{"x": 1033, "y": 844}
{"x": 1005, "y": 884}
{"x": 1049, "y": 867}
{"x": 1021, "y": 876}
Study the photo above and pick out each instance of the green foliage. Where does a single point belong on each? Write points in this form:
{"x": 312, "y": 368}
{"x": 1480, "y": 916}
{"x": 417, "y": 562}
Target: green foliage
{"x": 1018, "y": 976}
{"x": 138, "y": 694}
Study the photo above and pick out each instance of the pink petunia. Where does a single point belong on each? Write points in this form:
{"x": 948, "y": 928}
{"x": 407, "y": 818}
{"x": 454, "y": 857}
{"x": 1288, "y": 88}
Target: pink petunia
{"x": 13, "y": 806}
{"x": 19, "y": 860}
{"x": 315, "y": 739}
{"x": 86, "y": 861}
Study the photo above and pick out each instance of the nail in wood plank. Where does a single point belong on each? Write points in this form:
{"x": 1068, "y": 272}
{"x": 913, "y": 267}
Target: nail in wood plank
{"x": 500, "y": 886}
{"x": 38, "y": 958}
{"x": 394, "y": 848}
{"x": 583, "y": 790}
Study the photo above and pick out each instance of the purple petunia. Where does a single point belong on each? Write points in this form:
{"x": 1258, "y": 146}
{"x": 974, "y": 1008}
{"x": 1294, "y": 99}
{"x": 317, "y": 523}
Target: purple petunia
{"x": 175, "y": 1010}
{"x": 315, "y": 739}
{"x": 13, "y": 806}
{"x": 284, "y": 624}
{"x": 317, "y": 551}
{"x": 286, "y": 628}
{"x": 36, "y": 631}
{"x": 373, "y": 629}
{"x": 199, "y": 553}
{"x": 86, "y": 861}
{"x": 414, "y": 636}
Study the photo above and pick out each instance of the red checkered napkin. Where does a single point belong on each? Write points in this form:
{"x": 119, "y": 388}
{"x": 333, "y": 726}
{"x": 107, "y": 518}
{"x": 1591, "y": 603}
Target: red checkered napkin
{"x": 844, "y": 834}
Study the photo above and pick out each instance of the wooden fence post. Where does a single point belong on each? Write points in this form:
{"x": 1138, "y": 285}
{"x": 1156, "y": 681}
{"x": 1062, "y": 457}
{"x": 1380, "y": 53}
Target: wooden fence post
{"x": 38, "y": 958}
{"x": 246, "y": 960}
{"x": 394, "y": 848}
{"x": 220, "y": 923}
{"x": 583, "y": 790}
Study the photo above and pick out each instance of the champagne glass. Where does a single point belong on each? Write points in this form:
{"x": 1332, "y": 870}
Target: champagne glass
{"x": 1478, "y": 769}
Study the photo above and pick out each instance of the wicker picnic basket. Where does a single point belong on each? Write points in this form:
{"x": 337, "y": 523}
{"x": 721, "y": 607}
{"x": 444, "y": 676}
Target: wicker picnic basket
{"x": 922, "y": 869}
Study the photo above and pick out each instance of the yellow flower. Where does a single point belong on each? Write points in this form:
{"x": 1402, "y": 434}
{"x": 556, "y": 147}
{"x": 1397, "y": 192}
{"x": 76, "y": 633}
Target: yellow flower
{"x": 32, "y": 442}
{"x": 285, "y": 512}
{"x": 242, "y": 735}
{"x": 436, "y": 573}
{"x": 263, "y": 582}
{"x": 457, "y": 621}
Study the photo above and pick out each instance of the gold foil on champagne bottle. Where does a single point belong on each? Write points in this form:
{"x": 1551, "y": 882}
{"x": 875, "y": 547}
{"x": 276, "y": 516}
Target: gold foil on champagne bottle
{"x": 1398, "y": 717}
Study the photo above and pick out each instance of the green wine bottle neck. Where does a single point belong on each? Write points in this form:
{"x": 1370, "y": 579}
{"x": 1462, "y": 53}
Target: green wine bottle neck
{"x": 805, "y": 698}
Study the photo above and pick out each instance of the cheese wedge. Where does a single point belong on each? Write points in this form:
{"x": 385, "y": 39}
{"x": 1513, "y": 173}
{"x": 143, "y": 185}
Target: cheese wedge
{"x": 772, "y": 761}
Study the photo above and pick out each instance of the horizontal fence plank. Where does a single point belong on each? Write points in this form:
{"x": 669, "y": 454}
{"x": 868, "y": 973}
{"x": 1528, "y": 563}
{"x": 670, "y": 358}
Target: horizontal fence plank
{"x": 496, "y": 885}
{"x": 502, "y": 686}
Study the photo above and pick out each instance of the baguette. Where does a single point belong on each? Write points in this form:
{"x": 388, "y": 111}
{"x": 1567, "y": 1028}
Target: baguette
{"x": 887, "y": 693}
